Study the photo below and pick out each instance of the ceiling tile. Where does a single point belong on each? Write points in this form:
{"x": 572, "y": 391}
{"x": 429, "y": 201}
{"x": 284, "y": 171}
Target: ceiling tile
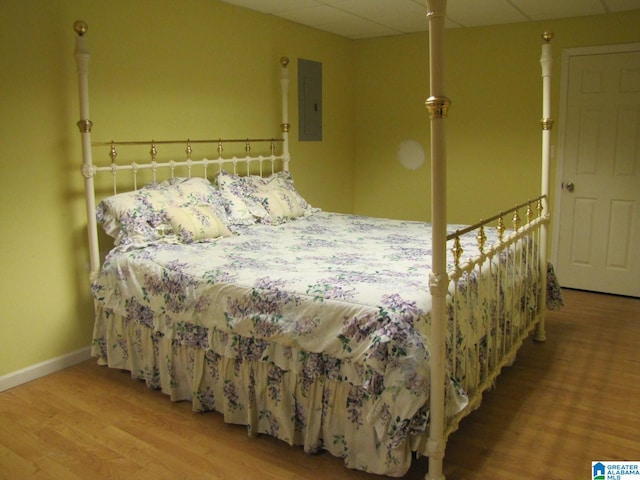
{"x": 472, "y": 13}
{"x": 622, "y": 5}
{"x": 370, "y": 18}
{"x": 375, "y": 9}
{"x": 363, "y": 28}
{"x": 405, "y": 16}
{"x": 316, "y": 16}
{"x": 272, "y": 6}
{"x": 547, "y": 9}
{"x": 406, "y": 24}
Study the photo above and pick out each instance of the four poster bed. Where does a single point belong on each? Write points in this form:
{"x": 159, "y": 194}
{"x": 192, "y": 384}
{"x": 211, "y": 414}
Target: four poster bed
{"x": 369, "y": 338}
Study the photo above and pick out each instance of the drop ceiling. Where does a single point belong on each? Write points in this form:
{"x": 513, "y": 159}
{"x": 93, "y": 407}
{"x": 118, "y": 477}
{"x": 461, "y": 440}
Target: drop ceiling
{"x": 376, "y": 18}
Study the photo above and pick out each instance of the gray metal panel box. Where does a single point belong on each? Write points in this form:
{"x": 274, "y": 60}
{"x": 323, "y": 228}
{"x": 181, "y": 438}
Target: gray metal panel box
{"x": 309, "y": 100}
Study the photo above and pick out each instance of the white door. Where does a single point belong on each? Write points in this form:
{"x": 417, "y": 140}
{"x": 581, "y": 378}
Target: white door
{"x": 597, "y": 229}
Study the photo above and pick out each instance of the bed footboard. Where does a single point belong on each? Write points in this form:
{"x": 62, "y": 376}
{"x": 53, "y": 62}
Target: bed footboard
{"x": 495, "y": 299}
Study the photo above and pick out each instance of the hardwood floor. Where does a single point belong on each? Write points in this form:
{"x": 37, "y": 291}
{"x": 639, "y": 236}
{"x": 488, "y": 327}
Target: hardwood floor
{"x": 565, "y": 402}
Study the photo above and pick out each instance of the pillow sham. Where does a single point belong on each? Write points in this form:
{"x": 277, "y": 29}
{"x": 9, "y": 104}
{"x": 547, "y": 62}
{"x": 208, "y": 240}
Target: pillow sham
{"x": 152, "y": 214}
{"x": 242, "y": 207}
{"x": 280, "y": 198}
{"x": 270, "y": 200}
{"x": 134, "y": 219}
{"x": 195, "y": 223}
{"x": 190, "y": 191}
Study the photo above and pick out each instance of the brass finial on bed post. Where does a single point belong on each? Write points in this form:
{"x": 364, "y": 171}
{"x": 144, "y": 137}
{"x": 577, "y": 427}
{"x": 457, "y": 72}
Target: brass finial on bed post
{"x": 81, "y": 27}
{"x": 547, "y": 36}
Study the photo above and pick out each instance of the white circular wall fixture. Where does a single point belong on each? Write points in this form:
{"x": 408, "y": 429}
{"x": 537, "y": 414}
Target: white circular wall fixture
{"x": 411, "y": 154}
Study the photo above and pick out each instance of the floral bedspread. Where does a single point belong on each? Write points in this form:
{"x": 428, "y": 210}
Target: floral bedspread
{"x": 309, "y": 331}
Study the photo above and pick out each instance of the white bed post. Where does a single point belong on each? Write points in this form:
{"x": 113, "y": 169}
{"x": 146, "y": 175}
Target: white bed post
{"x": 546, "y": 61}
{"x": 84, "y": 124}
{"x": 285, "y": 126}
{"x": 438, "y": 105}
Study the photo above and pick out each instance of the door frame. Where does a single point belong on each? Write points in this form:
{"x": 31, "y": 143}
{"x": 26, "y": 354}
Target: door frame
{"x": 567, "y": 53}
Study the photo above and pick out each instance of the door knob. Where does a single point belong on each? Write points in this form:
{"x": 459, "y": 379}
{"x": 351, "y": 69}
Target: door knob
{"x": 569, "y": 186}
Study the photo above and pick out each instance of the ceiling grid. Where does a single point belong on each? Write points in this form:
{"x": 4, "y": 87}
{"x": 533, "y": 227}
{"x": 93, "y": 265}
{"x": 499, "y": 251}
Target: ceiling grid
{"x": 376, "y": 18}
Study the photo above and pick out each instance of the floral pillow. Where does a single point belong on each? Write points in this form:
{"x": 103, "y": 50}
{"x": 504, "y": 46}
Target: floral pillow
{"x": 242, "y": 207}
{"x": 172, "y": 211}
{"x": 279, "y": 197}
{"x": 270, "y": 200}
{"x": 189, "y": 191}
{"x": 196, "y": 223}
{"x": 134, "y": 219}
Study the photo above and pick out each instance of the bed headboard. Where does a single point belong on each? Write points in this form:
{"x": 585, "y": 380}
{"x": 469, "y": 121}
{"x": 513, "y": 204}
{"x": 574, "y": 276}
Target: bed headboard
{"x": 253, "y": 155}
{"x": 260, "y": 156}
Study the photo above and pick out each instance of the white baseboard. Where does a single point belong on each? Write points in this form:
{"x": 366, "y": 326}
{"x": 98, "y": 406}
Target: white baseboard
{"x": 38, "y": 370}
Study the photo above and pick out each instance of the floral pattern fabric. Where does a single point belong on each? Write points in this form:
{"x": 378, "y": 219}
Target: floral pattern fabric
{"x": 181, "y": 210}
{"x": 314, "y": 331}
{"x": 269, "y": 200}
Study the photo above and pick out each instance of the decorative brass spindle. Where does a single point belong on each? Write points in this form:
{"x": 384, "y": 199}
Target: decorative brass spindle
{"x": 220, "y": 149}
{"x": 189, "y": 149}
{"x": 247, "y": 147}
{"x": 112, "y": 152}
{"x": 516, "y": 220}
{"x": 539, "y": 207}
{"x": 529, "y": 213}
{"x": 153, "y": 151}
{"x": 500, "y": 228}
{"x": 272, "y": 147}
{"x": 481, "y": 238}
{"x": 456, "y": 250}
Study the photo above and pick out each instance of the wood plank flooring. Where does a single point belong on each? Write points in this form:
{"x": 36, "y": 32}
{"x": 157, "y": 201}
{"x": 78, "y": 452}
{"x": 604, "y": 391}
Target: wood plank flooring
{"x": 565, "y": 402}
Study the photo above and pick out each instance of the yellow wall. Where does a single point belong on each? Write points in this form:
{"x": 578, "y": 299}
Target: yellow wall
{"x": 493, "y": 131}
{"x": 159, "y": 68}
{"x": 199, "y": 69}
